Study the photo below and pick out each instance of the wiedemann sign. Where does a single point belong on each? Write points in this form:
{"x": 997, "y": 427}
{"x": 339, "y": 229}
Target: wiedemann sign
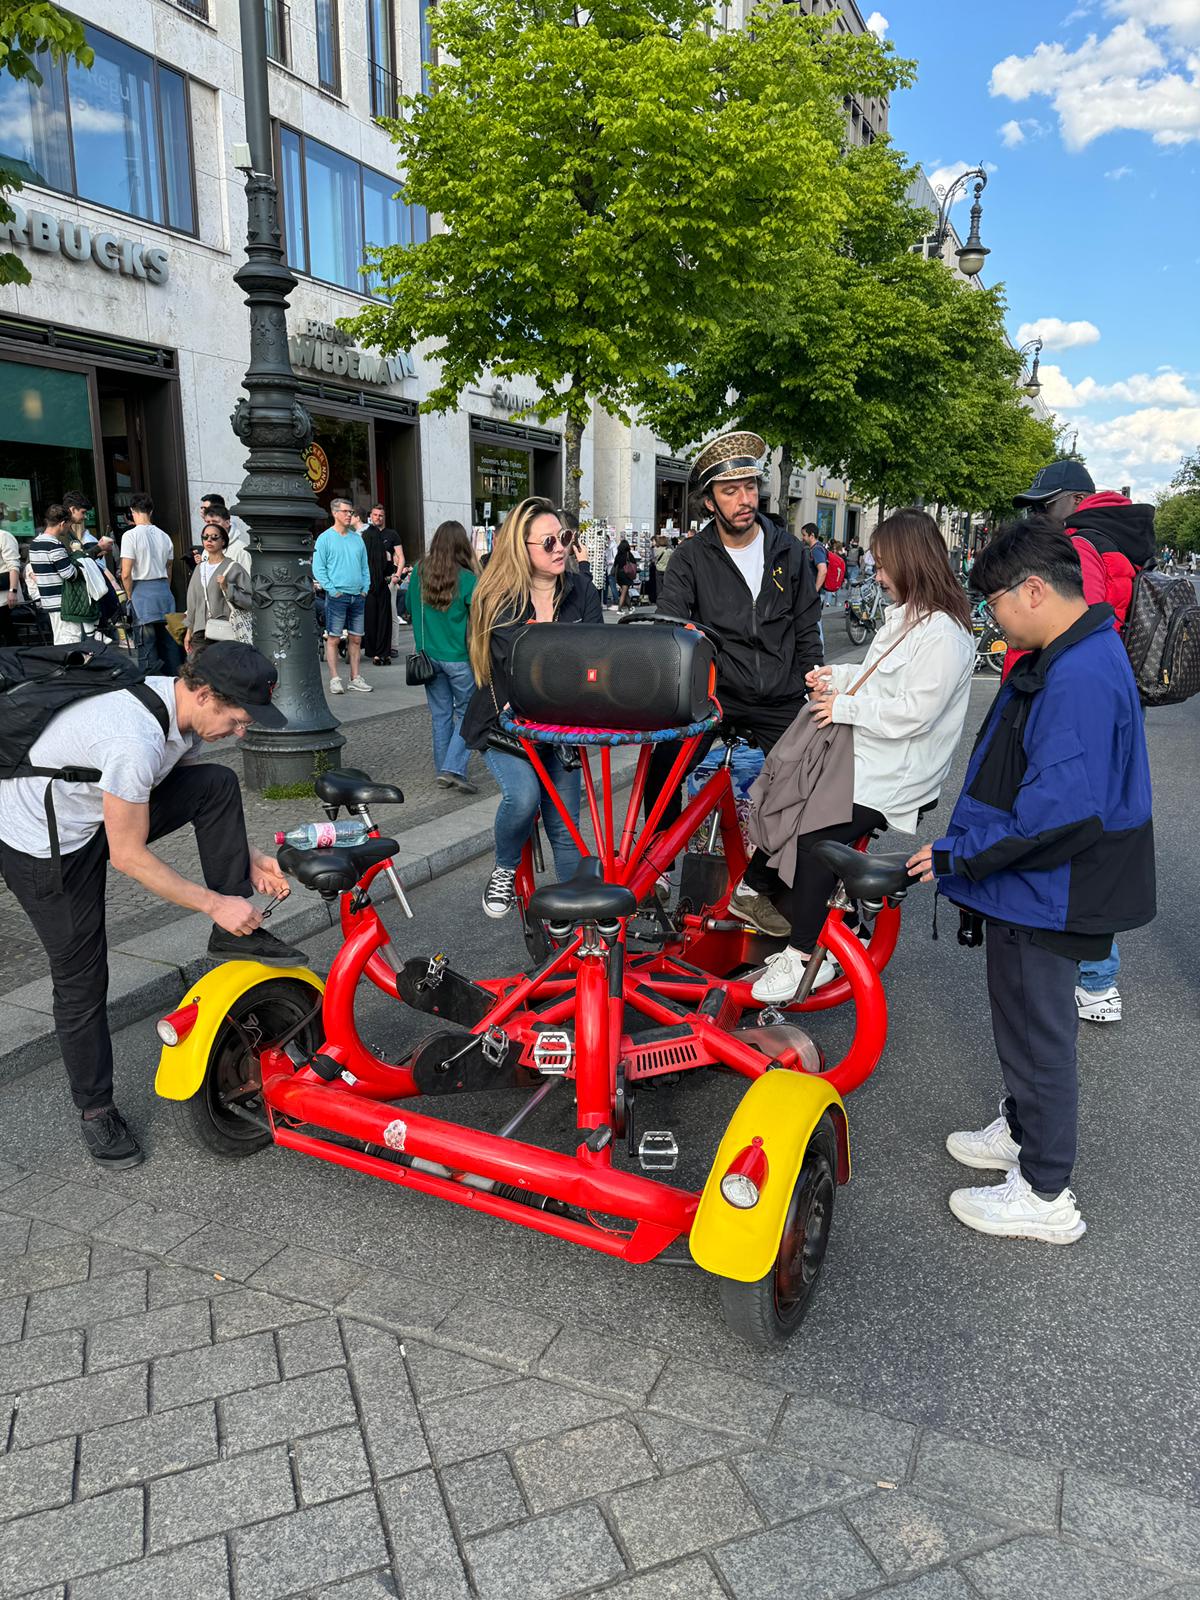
{"x": 322, "y": 347}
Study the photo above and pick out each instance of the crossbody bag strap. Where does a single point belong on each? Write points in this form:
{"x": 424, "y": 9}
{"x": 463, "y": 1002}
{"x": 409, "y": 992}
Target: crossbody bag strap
{"x": 885, "y": 654}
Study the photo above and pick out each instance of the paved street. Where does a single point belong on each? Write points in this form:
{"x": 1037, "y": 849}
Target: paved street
{"x": 268, "y": 1377}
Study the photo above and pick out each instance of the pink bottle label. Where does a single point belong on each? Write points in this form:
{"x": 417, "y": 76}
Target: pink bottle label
{"x": 326, "y": 835}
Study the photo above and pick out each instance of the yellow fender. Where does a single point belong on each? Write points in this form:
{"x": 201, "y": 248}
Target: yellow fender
{"x": 181, "y": 1066}
{"x": 782, "y": 1109}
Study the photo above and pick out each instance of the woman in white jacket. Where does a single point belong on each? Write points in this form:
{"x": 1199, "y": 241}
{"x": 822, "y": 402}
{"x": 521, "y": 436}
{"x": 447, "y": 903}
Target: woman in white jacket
{"x": 907, "y": 720}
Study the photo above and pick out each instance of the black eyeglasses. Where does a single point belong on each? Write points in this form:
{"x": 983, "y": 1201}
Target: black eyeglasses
{"x": 564, "y": 537}
{"x": 988, "y": 604}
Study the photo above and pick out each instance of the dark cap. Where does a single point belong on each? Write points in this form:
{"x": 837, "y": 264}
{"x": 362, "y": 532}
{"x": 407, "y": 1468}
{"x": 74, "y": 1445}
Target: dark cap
{"x": 1067, "y": 476}
{"x": 241, "y": 674}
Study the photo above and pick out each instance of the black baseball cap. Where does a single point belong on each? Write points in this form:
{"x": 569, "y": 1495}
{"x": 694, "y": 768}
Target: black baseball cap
{"x": 243, "y": 675}
{"x": 1067, "y": 476}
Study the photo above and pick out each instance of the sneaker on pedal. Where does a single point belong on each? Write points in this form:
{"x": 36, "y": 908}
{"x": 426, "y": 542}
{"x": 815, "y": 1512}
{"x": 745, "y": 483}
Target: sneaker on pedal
{"x": 258, "y": 945}
{"x": 782, "y": 975}
{"x": 756, "y": 909}
{"x": 1103, "y": 1005}
{"x": 500, "y": 894}
{"x": 1011, "y": 1210}
{"x": 991, "y": 1149}
{"x": 109, "y": 1142}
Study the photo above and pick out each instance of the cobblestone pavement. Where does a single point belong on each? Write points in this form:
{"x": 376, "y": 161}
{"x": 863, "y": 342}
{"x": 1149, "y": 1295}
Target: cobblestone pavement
{"x": 194, "y": 1408}
{"x": 394, "y": 748}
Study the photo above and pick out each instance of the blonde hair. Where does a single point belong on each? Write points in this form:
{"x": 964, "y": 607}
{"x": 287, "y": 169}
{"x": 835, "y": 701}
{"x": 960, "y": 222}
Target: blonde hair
{"x": 504, "y": 590}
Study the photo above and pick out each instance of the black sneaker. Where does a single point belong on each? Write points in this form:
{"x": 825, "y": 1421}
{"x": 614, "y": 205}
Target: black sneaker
{"x": 500, "y": 895}
{"x": 109, "y": 1142}
{"x": 256, "y": 946}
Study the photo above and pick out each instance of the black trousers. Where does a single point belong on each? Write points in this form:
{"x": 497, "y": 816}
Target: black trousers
{"x": 69, "y": 920}
{"x": 814, "y": 883}
{"x": 768, "y": 723}
{"x": 1036, "y": 1026}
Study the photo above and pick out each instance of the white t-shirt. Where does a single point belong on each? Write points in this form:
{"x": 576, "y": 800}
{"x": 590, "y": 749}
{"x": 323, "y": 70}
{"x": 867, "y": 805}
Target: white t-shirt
{"x": 749, "y": 562}
{"x": 113, "y": 733}
{"x": 149, "y": 548}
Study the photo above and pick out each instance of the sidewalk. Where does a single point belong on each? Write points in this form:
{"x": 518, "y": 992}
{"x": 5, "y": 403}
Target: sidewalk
{"x": 209, "y": 1410}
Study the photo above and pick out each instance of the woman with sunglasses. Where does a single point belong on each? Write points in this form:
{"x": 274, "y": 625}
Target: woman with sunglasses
{"x": 217, "y": 589}
{"x": 527, "y": 580}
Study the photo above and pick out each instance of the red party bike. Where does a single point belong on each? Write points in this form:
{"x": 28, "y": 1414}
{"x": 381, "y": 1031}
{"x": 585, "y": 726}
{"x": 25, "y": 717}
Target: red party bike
{"x": 623, "y": 996}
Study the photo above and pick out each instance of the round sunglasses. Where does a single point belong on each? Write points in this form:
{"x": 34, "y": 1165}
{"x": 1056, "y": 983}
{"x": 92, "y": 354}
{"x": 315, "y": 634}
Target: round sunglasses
{"x": 564, "y": 537}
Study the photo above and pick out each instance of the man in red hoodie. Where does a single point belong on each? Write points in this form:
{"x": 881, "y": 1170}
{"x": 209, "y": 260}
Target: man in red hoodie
{"x": 1113, "y": 538}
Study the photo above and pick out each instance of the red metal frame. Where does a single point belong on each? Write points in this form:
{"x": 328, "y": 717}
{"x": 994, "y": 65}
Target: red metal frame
{"x": 689, "y": 984}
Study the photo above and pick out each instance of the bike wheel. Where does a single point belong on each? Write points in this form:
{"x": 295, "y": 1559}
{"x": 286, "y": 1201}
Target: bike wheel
{"x": 257, "y": 1019}
{"x": 858, "y": 628}
{"x": 767, "y": 1312}
{"x": 993, "y": 658}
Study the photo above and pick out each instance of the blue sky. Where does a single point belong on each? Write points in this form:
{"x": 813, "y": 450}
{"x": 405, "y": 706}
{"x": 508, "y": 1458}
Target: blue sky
{"x": 1089, "y": 114}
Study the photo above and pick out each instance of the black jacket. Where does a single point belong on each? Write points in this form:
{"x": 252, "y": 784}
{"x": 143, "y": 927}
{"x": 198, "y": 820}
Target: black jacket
{"x": 578, "y": 601}
{"x": 770, "y": 641}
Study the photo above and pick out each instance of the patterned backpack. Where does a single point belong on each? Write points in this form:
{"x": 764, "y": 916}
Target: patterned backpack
{"x": 1162, "y": 637}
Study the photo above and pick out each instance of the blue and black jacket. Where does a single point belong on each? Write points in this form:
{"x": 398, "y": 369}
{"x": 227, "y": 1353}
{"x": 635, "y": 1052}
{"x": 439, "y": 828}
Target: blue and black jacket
{"x": 1053, "y": 830}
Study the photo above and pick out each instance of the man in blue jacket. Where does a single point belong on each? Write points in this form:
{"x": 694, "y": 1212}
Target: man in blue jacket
{"x": 1051, "y": 844}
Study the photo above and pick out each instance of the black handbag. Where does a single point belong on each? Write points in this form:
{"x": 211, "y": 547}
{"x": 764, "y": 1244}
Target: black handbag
{"x": 418, "y": 668}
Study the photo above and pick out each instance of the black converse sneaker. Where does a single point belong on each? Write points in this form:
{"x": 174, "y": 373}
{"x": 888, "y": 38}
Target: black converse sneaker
{"x": 108, "y": 1141}
{"x": 500, "y": 895}
{"x": 258, "y": 945}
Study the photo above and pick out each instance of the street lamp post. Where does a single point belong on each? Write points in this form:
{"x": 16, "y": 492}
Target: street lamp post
{"x": 276, "y": 498}
{"x": 1032, "y": 385}
{"x": 971, "y": 255}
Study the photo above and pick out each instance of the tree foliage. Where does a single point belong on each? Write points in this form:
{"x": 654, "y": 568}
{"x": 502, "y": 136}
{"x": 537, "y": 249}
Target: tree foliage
{"x": 28, "y": 30}
{"x": 612, "y": 183}
{"x": 879, "y": 364}
{"x": 1188, "y": 476}
{"x": 1177, "y": 520}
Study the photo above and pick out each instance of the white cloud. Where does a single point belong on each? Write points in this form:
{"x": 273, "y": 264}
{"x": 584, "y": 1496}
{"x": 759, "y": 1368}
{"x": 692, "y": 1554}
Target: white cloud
{"x": 1165, "y": 388}
{"x": 1012, "y": 133}
{"x": 1117, "y": 173}
{"x": 1142, "y": 448}
{"x": 942, "y": 177}
{"x": 877, "y": 24}
{"x": 1136, "y": 77}
{"x": 1056, "y": 334}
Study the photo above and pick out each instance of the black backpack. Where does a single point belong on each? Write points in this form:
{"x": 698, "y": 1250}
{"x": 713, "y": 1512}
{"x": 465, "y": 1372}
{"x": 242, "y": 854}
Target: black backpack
{"x": 1162, "y": 638}
{"x": 39, "y": 682}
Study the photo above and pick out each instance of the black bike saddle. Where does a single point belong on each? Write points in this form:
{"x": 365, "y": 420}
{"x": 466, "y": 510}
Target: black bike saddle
{"x": 332, "y": 872}
{"x": 866, "y": 877}
{"x": 348, "y": 786}
{"x": 584, "y": 898}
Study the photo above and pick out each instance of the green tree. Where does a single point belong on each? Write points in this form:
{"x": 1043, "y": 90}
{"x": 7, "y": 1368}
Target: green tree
{"x": 1188, "y": 476}
{"x": 875, "y": 362}
{"x": 27, "y": 31}
{"x": 610, "y": 187}
{"x": 1177, "y": 520}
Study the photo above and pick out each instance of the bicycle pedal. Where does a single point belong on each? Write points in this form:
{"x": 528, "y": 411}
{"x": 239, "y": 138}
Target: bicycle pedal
{"x": 657, "y": 1151}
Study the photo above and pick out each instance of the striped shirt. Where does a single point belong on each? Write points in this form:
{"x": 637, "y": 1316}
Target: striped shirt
{"x": 51, "y": 563}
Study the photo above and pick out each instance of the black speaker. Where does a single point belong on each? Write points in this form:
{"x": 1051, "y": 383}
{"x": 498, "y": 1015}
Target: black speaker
{"x": 578, "y": 675}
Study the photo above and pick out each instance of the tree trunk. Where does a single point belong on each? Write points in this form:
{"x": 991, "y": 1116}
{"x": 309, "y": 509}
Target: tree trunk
{"x": 786, "y": 461}
{"x": 572, "y": 471}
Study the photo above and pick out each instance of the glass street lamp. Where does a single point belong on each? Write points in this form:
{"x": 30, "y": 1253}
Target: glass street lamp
{"x": 1033, "y": 384}
{"x": 971, "y": 255}
{"x": 276, "y": 498}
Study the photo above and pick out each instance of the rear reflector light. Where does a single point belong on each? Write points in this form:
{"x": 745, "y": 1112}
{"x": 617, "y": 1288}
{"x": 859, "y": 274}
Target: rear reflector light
{"x": 172, "y": 1029}
{"x": 745, "y": 1177}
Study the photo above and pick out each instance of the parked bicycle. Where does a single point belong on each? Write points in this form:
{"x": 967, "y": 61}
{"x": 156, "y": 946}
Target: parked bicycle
{"x": 864, "y": 611}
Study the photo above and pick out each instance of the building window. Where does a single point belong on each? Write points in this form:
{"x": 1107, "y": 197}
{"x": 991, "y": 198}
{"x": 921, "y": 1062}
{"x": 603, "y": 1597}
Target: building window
{"x": 381, "y": 33}
{"x": 427, "y": 55}
{"x": 279, "y": 31}
{"x": 119, "y": 135}
{"x": 334, "y": 207}
{"x": 329, "y": 73}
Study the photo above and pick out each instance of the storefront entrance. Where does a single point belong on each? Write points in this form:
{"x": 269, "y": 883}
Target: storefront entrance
{"x": 102, "y": 417}
{"x": 509, "y": 463}
{"x": 670, "y": 496}
{"x": 367, "y": 452}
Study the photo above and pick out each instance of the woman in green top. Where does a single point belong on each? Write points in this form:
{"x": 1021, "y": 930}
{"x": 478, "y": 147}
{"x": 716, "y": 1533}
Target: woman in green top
{"x": 439, "y": 594}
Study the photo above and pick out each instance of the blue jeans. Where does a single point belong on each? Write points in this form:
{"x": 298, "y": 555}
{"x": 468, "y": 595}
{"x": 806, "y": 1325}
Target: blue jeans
{"x": 449, "y": 693}
{"x": 611, "y": 593}
{"x": 522, "y": 795}
{"x": 1096, "y": 976}
{"x": 852, "y": 575}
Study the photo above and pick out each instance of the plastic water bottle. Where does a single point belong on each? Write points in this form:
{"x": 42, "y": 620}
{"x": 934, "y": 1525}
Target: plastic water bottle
{"x": 323, "y": 835}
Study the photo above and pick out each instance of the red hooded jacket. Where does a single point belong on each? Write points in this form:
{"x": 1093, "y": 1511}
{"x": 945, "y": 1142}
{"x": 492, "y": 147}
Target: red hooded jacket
{"x": 1113, "y": 538}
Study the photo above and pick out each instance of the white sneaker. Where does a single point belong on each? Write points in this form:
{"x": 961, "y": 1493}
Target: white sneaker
{"x": 1011, "y": 1210}
{"x": 782, "y": 976}
{"x": 500, "y": 892}
{"x": 1103, "y": 1006}
{"x": 336, "y": 686}
{"x": 361, "y": 685}
{"x": 992, "y": 1148}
